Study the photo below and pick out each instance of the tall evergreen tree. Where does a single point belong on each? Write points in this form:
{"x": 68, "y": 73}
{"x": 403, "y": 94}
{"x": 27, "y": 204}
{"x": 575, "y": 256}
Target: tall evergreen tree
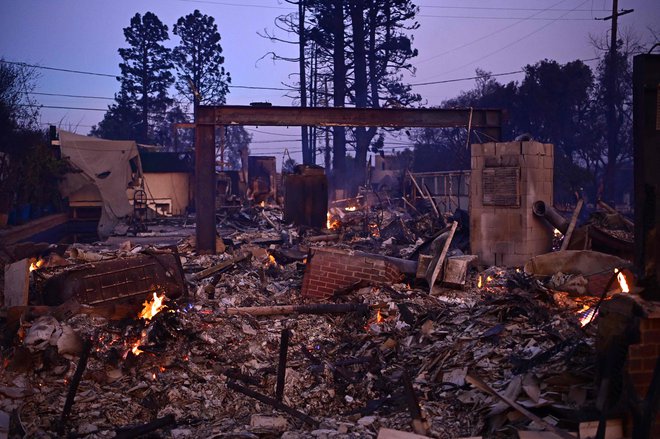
{"x": 146, "y": 71}
{"x": 121, "y": 121}
{"x": 198, "y": 60}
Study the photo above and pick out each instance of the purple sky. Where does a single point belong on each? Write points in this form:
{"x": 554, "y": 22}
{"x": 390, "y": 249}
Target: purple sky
{"x": 497, "y": 35}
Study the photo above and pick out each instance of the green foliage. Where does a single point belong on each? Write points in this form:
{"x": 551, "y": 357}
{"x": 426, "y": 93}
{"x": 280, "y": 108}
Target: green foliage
{"x": 198, "y": 60}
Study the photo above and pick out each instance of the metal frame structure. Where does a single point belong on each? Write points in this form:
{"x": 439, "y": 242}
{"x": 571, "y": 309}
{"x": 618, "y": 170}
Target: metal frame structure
{"x": 488, "y": 122}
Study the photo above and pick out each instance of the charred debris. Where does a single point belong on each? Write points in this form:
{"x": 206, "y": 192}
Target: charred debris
{"x": 379, "y": 323}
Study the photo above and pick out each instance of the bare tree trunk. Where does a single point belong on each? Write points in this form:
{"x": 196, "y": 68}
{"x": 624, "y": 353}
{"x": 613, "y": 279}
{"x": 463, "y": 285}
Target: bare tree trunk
{"x": 360, "y": 85}
{"x": 339, "y": 93}
{"x": 303, "y": 80}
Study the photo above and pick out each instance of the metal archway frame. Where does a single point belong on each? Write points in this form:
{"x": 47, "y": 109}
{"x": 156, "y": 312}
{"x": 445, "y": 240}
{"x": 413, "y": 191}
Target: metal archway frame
{"x": 209, "y": 117}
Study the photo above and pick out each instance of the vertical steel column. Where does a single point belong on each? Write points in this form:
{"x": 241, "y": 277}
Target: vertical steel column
{"x": 205, "y": 183}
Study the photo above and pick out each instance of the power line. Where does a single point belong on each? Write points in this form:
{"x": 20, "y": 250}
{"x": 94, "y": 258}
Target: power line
{"x": 70, "y": 96}
{"x": 246, "y": 5}
{"x": 491, "y": 17}
{"x": 518, "y": 40}
{"x": 495, "y": 8}
{"x": 487, "y": 35}
{"x": 83, "y": 72}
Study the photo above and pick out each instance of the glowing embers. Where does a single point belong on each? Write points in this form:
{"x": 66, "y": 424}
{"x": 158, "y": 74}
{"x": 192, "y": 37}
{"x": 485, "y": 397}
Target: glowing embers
{"x": 350, "y": 208}
{"x": 35, "y": 265}
{"x": 152, "y": 307}
{"x": 332, "y": 223}
{"x": 587, "y": 314}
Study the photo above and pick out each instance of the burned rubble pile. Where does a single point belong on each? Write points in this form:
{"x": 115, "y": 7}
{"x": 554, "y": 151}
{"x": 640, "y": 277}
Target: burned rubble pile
{"x": 239, "y": 352}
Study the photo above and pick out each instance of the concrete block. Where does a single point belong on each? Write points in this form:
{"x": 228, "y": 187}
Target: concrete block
{"x": 510, "y": 160}
{"x": 477, "y": 149}
{"x": 489, "y": 149}
{"x": 17, "y": 283}
{"x": 531, "y": 161}
{"x": 548, "y": 162}
{"x": 508, "y": 148}
{"x": 549, "y": 149}
{"x": 533, "y": 148}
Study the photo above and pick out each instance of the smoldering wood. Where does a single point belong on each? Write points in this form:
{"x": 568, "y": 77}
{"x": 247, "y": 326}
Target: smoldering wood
{"x": 316, "y": 308}
{"x": 321, "y": 238}
{"x": 224, "y": 265}
{"x": 139, "y": 430}
{"x": 272, "y": 402}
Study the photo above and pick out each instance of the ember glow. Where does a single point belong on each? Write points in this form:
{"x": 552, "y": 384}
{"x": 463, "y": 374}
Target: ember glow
{"x": 331, "y": 224}
{"x": 379, "y": 318}
{"x": 622, "y": 281}
{"x": 586, "y": 315}
{"x": 153, "y": 307}
{"x": 350, "y": 208}
{"x": 557, "y": 233}
{"x": 262, "y": 204}
{"x": 271, "y": 261}
{"x": 136, "y": 348}
{"x": 479, "y": 282}
{"x": 36, "y": 264}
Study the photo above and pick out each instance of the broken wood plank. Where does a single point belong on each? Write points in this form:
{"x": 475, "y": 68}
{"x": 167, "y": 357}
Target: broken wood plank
{"x": 314, "y": 308}
{"x": 281, "y": 366}
{"x": 481, "y": 385}
{"x": 17, "y": 283}
{"x": 140, "y": 430}
{"x": 75, "y": 382}
{"x": 219, "y": 267}
{"x": 419, "y": 424}
{"x": 434, "y": 269}
{"x": 273, "y": 402}
{"x": 571, "y": 225}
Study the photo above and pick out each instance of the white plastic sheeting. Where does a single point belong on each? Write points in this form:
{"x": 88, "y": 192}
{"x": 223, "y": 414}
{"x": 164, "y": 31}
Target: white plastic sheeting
{"x": 106, "y": 165}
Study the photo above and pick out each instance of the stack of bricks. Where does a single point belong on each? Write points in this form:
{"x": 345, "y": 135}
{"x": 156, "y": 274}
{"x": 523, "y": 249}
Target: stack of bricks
{"x": 643, "y": 356}
{"x": 506, "y": 232}
{"x": 331, "y": 269}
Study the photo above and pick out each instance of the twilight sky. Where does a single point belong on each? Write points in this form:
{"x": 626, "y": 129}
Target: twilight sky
{"x": 454, "y": 38}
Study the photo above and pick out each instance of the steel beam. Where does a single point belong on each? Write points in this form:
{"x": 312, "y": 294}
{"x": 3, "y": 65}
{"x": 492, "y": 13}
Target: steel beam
{"x": 488, "y": 122}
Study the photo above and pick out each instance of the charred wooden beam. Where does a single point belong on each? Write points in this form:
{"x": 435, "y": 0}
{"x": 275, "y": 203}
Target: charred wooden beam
{"x": 139, "y": 430}
{"x": 209, "y": 117}
{"x": 281, "y": 365}
{"x": 418, "y": 423}
{"x": 315, "y": 308}
{"x": 272, "y": 402}
{"x": 75, "y": 381}
{"x": 224, "y": 265}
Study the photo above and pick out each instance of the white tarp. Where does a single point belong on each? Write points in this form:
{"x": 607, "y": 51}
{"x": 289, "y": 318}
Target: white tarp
{"x": 104, "y": 164}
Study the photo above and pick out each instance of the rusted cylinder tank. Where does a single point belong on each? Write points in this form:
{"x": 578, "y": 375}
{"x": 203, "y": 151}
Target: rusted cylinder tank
{"x": 551, "y": 214}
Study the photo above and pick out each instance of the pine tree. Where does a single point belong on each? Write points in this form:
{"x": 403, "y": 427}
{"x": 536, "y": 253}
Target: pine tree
{"x": 146, "y": 71}
{"x": 198, "y": 60}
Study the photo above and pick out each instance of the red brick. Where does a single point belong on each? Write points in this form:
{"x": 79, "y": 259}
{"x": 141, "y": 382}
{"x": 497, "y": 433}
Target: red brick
{"x": 651, "y": 336}
{"x": 643, "y": 351}
{"x": 635, "y": 365}
{"x": 649, "y": 324}
{"x": 648, "y": 364}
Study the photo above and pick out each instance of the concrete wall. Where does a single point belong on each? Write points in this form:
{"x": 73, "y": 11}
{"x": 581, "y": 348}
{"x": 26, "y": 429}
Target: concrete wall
{"x": 510, "y": 234}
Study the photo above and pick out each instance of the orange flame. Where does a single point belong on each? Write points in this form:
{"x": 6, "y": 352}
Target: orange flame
{"x": 271, "y": 261}
{"x": 488, "y": 279}
{"x": 379, "y": 318}
{"x": 350, "y": 208}
{"x": 586, "y": 315}
{"x": 262, "y": 204}
{"x": 36, "y": 264}
{"x": 153, "y": 307}
{"x": 136, "y": 348}
{"x": 622, "y": 281}
{"x": 331, "y": 224}
{"x": 479, "y": 282}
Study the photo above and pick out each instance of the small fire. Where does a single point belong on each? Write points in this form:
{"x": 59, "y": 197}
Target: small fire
{"x": 271, "y": 261}
{"x": 479, "y": 282}
{"x": 331, "y": 224}
{"x": 488, "y": 279}
{"x": 379, "y": 318}
{"x": 586, "y": 315}
{"x": 557, "y": 233}
{"x": 36, "y": 264}
{"x": 350, "y": 208}
{"x": 153, "y": 307}
{"x": 136, "y": 348}
{"x": 262, "y": 204}
{"x": 622, "y": 281}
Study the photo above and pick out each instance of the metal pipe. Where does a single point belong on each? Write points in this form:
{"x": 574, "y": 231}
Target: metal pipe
{"x": 551, "y": 214}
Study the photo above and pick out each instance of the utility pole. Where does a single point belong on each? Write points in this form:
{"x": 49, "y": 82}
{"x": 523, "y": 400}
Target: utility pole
{"x": 612, "y": 126}
{"x": 303, "y": 86}
{"x": 326, "y": 152}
